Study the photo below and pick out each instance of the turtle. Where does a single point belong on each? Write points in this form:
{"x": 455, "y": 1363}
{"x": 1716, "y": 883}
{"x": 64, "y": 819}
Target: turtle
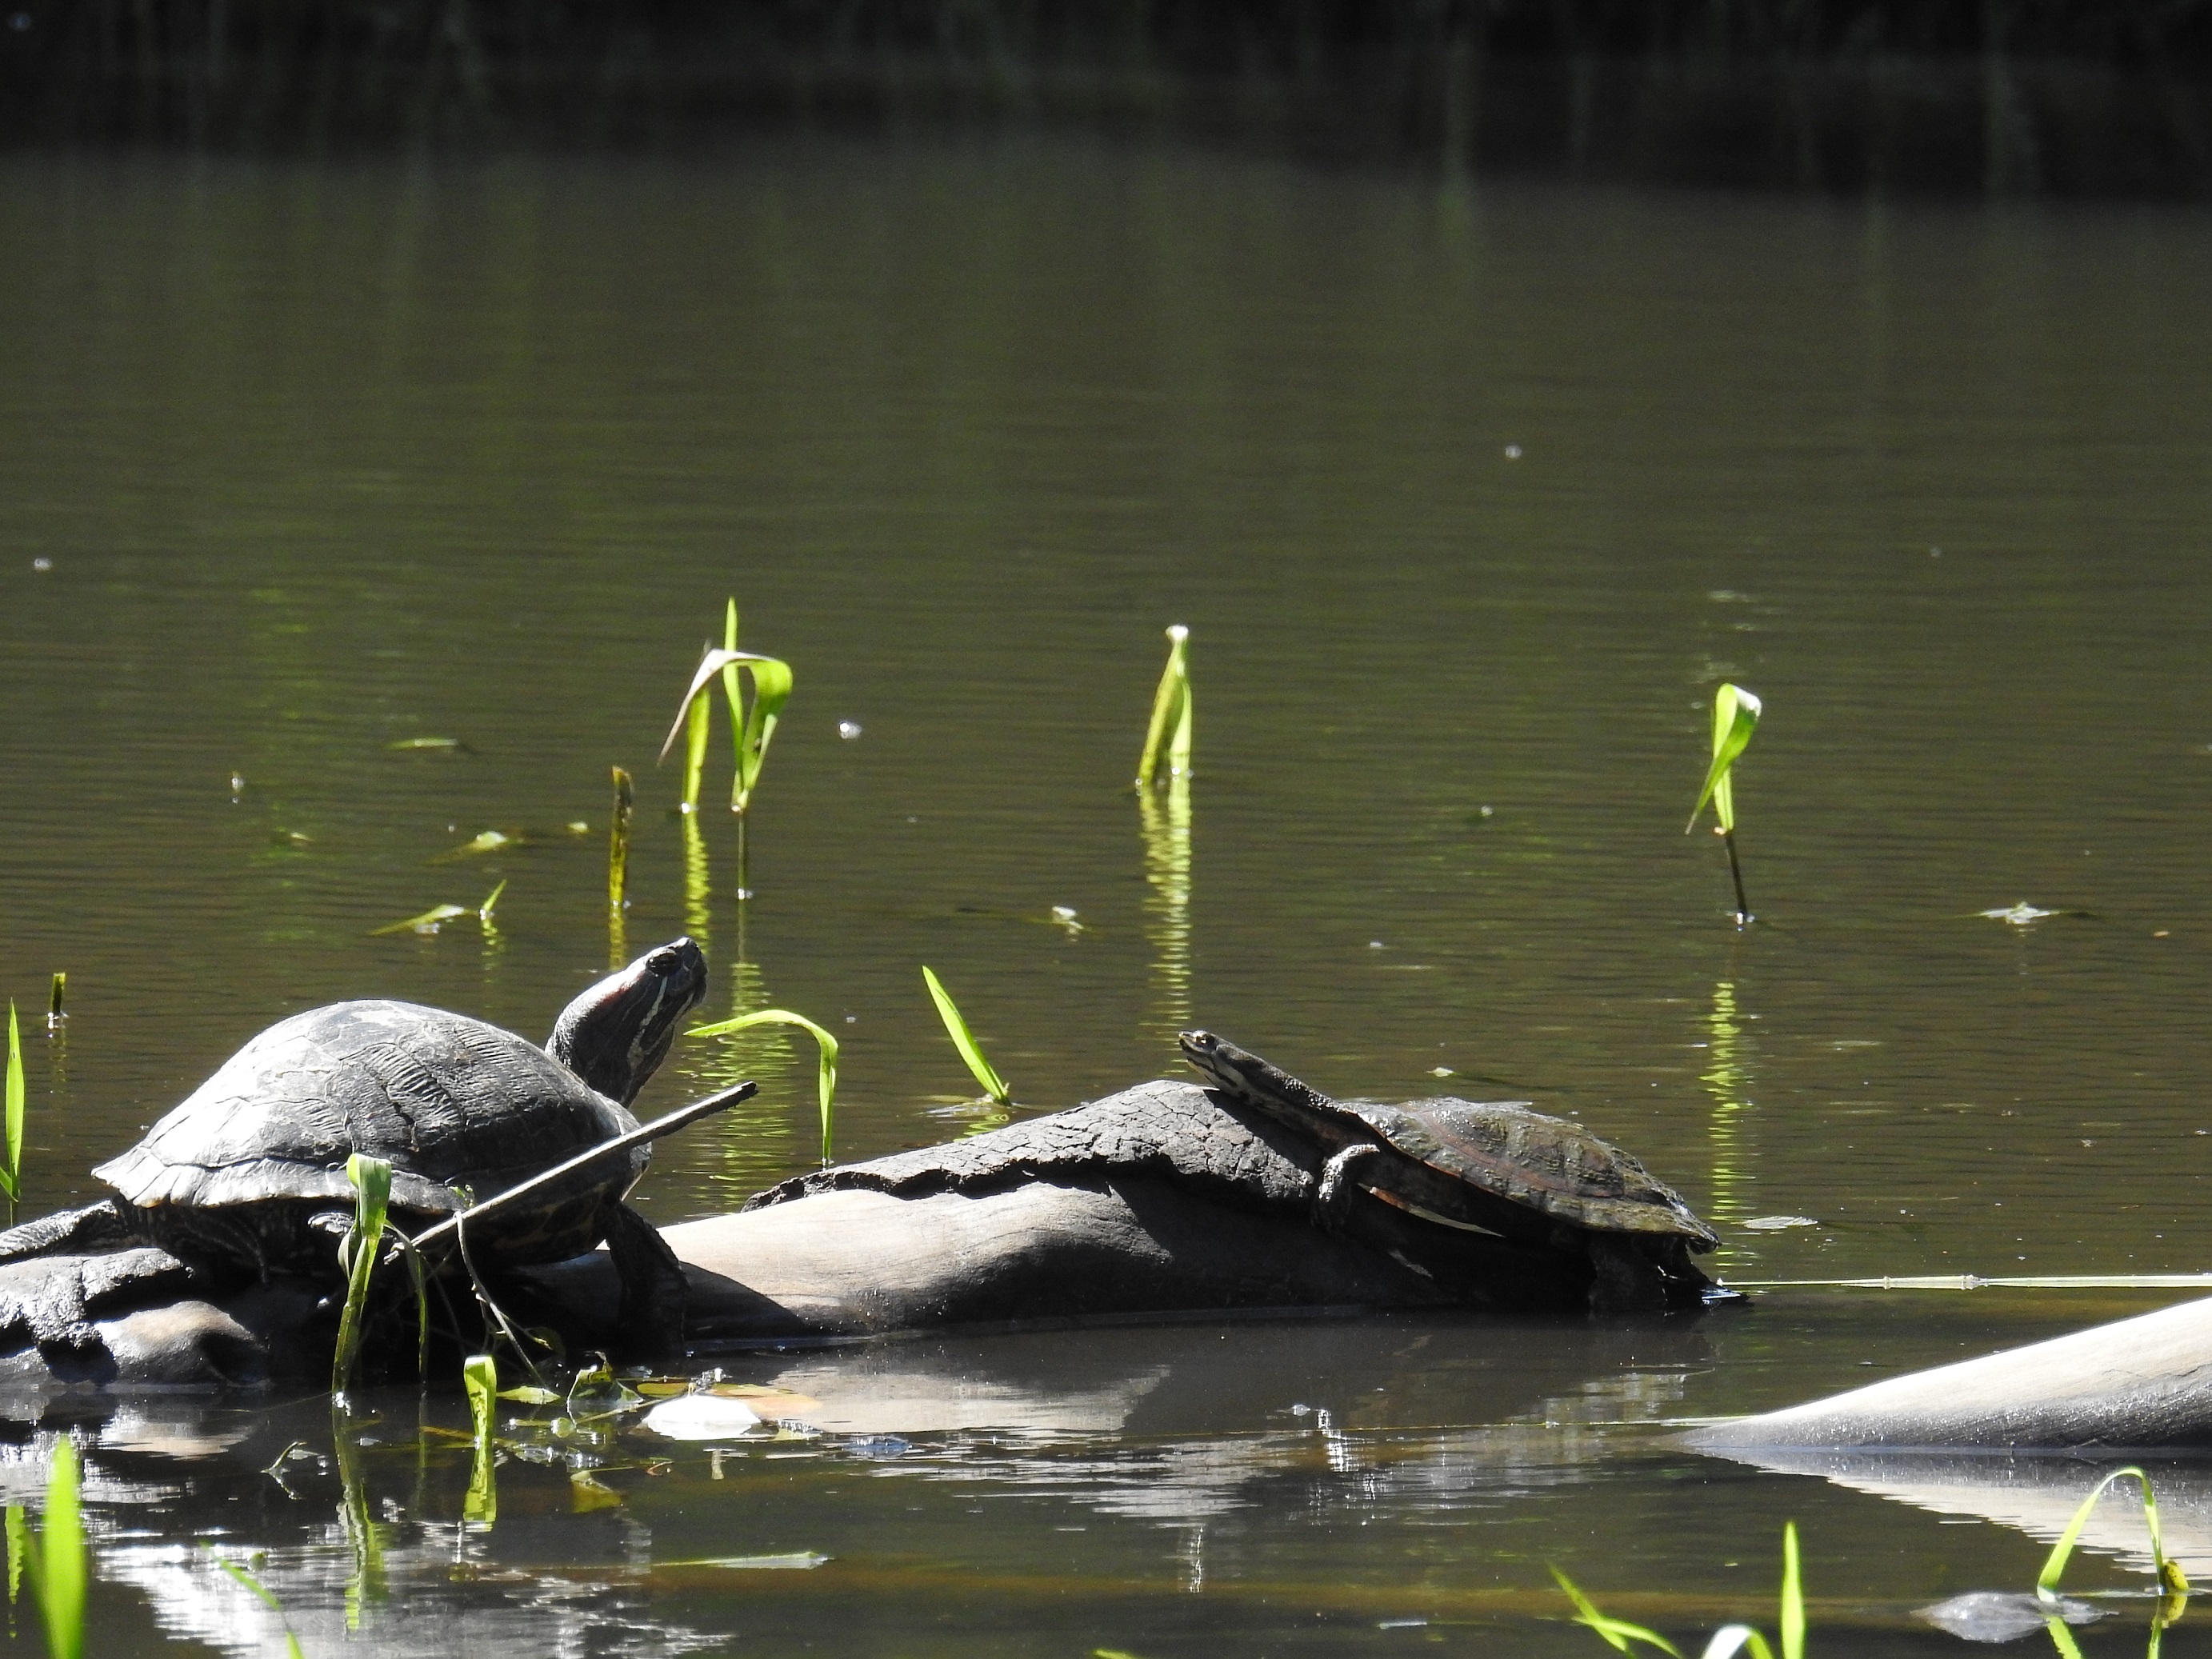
{"x": 246, "y": 1177}
{"x": 1493, "y": 1167}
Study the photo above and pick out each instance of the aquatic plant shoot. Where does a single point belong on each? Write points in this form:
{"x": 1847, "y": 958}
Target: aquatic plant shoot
{"x": 825, "y": 1051}
{"x": 54, "y": 1012}
{"x": 618, "y": 842}
{"x": 371, "y": 1179}
{"x": 753, "y": 719}
{"x": 985, "y": 1074}
{"x": 480, "y": 1380}
{"x": 1735, "y": 716}
{"x": 2171, "y": 1580}
{"x": 1724, "y": 1642}
{"x": 11, "y": 1173}
{"x": 1168, "y": 734}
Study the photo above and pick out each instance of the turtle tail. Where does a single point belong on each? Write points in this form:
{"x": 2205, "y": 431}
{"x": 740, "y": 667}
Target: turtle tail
{"x": 96, "y": 1227}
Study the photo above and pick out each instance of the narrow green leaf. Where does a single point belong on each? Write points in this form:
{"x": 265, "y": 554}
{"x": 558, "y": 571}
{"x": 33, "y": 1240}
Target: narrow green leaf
{"x": 1735, "y": 716}
{"x": 54, "y": 1015}
{"x": 11, "y": 1175}
{"x": 485, "y": 840}
{"x": 964, "y": 1041}
{"x": 711, "y": 664}
{"x": 1793, "y": 1597}
{"x": 371, "y": 1179}
{"x": 1617, "y": 1632}
{"x": 1170, "y": 712}
{"x": 2171, "y": 1578}
{"x": 772, "y": 683}
{"x": 58, "y": 1563}
{"x": 19, "y": 1550}
{"x": 428, "y": 922}
{"x": 490, "y": 903}
{"x": 825, "y": 1044}
{"x": 530, "y": 1395}
{"x": 480, "y": 1379}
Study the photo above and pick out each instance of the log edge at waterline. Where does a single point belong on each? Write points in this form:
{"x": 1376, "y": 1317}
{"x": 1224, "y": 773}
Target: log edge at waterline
{"x": 2142, "y": 1383}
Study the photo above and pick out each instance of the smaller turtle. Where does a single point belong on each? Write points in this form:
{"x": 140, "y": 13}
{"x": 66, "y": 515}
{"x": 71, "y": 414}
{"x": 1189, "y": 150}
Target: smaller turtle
{"x": 247, "y": 1175}
{"x": 1488, "y": 1166}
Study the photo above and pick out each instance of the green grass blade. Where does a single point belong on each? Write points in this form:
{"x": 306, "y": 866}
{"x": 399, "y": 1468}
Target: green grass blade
{"x": 490, "y": 903}
{"x": 1169, "y": 705}
{"x": 371, "y": 1178}
{"x": 772, "y": 682}
{"x": 1617, "y": 1632}
{"x": 55, "y": 1013}
{"x": 1179, "y": 745}
{"x": 696, "y": 733}
{"x": 964, "y": 1041}
{"x": 1793, "y": 1597}
{"x": 733, "y": 693}
{"x": 11, "y": 1175}
{"x": 19, "y": 1550}
{"x": 2046, "y": 1582}
{"x": 480, "y": 1378}
{"x": 428, "y": 922}
{"x": 59, "y": 1563}
{"x": 691, "y": 716}
{"x": 1735, "y": 716}
{"x": 825, "y": 1046}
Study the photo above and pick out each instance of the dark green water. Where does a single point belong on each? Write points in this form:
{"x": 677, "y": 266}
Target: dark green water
{"x": 1469, "y": 499}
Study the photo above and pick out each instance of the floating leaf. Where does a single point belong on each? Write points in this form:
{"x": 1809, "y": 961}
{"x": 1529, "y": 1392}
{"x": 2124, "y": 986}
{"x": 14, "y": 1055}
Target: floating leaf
{"x": 427, "y": 743}
{"x": 530, "y": 1395}
{"x": 964, "y": 1041}
{"x": 488, "y": 841}
{"x": 428, "y": 922}
{"x": 2019, "y": 915}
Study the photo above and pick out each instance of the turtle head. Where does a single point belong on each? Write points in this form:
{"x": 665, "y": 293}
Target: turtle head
{"x": 1244, "y": 1077}
{"x": 615, "y": 1034}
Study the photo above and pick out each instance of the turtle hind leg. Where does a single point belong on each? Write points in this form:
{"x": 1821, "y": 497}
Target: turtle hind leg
{"x": 653, "y": 1293}
{"x": 96, "y": 1227}
{"x": 1333, "y": 1186}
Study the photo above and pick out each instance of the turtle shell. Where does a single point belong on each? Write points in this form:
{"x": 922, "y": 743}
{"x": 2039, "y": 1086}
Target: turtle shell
{"x": 448, "y": 1100}
{"x": 1549, "y": 1164}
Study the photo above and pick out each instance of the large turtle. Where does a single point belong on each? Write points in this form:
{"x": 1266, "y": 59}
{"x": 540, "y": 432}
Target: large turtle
{"x": 247, "y": 1175}
{"x": 1490, "y": 1167}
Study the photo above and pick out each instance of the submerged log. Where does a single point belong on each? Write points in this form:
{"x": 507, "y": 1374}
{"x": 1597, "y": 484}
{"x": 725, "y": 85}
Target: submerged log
{"x": 2143, "y": 1383}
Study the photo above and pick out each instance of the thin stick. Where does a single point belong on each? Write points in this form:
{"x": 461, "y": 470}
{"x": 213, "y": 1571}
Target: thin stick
{"x": 676, "y": 1120}
{"x": 618, "y": 842}
{"x": 1975, "y": 1282}
{"x": 1742, "y": 904}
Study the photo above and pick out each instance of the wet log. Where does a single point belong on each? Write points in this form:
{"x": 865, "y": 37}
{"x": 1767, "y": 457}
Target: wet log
{"x": 2139, "y": 1384}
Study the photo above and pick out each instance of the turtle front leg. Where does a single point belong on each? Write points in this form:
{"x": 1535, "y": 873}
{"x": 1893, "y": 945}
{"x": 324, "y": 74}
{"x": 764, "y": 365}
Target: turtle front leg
{"x": 96, "y": 1227}
{"x": 1333, "y": 1190}
{"x": 653, "y": 1293}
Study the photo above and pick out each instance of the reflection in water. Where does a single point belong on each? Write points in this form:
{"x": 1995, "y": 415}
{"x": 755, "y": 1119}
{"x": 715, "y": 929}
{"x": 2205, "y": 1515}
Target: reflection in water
{"x": 760, "y": 1137}
{"x": 1725, "y": 1079}
{"x": 698, "y": 909}
{"x": 1166, "y": 827}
